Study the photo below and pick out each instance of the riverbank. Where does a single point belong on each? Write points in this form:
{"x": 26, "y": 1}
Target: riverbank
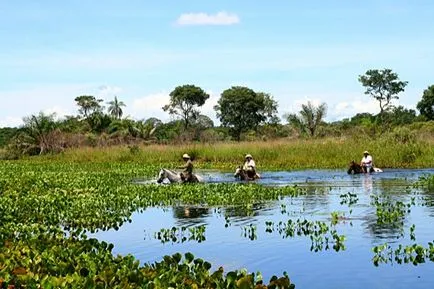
{"x": 329, "y": 153}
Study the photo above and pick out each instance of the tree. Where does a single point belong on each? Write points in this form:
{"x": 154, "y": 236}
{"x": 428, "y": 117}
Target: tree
{"x": 88, "y": 105}
{"x": 6, "y": 134}
{"x": 203, "y": 122}
{"x": 401, "y": 115}
{"x": 98, "y": 121}
{"x": 184, "y": 102}
{"x": 36, "y": 135}
{"x": 240, "y": 108}
{"x": 309, "y": 118}
{"x": 426, "y": 104}
{"x": 270, "y": 108}
{"x": 115, "y": 108}
{"x": 383, "y": 85}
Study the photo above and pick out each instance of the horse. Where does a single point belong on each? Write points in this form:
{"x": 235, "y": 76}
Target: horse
{"x": 355, "y": 168}
{"x": 175, "y": 177}
{"x": 244, "y": 175}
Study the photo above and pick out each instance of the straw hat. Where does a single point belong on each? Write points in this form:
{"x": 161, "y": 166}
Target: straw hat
{"x": 366, "y": 152}
{"x": 249, "y": 156}
{"x": 186, "y": 156}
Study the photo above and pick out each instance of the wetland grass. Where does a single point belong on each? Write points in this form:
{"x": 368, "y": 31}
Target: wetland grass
{"x": 328, "y": 153}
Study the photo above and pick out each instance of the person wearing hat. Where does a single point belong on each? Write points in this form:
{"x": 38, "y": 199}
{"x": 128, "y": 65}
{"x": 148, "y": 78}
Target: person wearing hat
{"x": 366, "y": 162}
{"x": 249, "y": 166}
{"x": 187, "y": 175}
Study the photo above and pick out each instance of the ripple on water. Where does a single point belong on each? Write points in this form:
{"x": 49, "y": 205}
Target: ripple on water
{"x": 272, "y": 253}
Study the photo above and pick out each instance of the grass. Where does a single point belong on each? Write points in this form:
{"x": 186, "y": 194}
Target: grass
{"x": 331, "y": 153}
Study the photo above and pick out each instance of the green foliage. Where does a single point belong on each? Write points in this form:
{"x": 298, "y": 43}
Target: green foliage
{"x": 400, "y": 115}
{"x": 426, "y": 104}
{"x": 309, "y": 118}
{"x": 88, "y": 105}
{"x": 383, "y": 85}
{"x": 411, "y": 149}
{"x": 184, "y": 101}
{"x": 427, "y": 181}
{"x": 241, "y": 109}
{"x": 47, "y": 208}
{"x": 37, "y": 136}
{"x": 182, "y": 234}
{"x": 98, "y": 122}
{"x": 6, "y": 134}
{"x": 390, "y": 212}
{"x": 414, "y": 254}
{"x": 320, "y": 234}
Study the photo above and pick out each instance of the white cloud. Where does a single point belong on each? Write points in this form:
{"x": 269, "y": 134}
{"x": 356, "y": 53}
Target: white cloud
{"x": 150, "y": 106}
{"x": 11, "y": 122}
{"x": 58, "y": 99}
{"x": 220, "y": 18}
{"x": 108, "y": 91}
{"x": 59, "y": 112}
{"x": 295, "y": 106}
{"x": 347, "y": 109}
{"x": 208, "y": 108}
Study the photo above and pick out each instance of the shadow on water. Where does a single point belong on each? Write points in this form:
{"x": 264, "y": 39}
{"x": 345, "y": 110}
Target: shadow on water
{"x": 326, "y": 192}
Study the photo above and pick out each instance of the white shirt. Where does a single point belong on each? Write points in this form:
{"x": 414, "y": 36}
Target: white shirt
{"x": 248, "y": 164}
{"x": 367, "y": 161}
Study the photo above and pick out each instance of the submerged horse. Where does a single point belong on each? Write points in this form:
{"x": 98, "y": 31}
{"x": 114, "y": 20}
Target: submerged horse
{"x": 174, "y": 177}
{"x": 245, "y": 175}
{"x": 355, "y": 168}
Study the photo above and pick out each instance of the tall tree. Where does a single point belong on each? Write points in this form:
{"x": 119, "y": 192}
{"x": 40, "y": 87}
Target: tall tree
{"x": 426, "y": 104}
{"x": 240, "y": 108}
{"x": 383, "y": 85}
{"x": 184, "y": 102}
{"x": 309, "y": 117}
{"x": 115, "y": 108}
{"x": 88, "y": 104}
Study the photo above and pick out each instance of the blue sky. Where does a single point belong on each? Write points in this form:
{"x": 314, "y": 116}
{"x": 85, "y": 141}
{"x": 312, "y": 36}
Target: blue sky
{"x": 53, "y": 51}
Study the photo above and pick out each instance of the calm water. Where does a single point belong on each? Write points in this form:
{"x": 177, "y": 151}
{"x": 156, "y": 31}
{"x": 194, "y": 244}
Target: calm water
{"x": 271, "y": 253}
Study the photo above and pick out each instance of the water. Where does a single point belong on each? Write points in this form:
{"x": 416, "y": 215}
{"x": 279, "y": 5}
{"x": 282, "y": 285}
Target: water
{"x": 271, "y": 253}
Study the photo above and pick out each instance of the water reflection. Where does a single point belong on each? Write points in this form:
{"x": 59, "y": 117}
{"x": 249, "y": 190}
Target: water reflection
{"x": 367, "y": 184}
{"x": 270, "y": 253}
{"x": 190, "y": 215}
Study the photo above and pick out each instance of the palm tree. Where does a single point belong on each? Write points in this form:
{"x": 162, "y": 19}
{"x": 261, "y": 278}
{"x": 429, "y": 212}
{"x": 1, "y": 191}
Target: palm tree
{"x": 115, "y": 108}
{"x": 309, "y": 117}
{"x": 36, "y": 132}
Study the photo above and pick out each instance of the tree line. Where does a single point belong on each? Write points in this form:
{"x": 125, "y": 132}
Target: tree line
{"x": 244, "y": 114}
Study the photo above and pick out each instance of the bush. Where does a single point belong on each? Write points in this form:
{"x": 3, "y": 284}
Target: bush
{"x": 403, "y": 135}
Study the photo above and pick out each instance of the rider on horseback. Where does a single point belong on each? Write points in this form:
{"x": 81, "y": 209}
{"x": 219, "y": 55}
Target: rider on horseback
{"x": 249, "y": 166}
{"x": 366, "y": 163}
{"x": 187, "y": 175}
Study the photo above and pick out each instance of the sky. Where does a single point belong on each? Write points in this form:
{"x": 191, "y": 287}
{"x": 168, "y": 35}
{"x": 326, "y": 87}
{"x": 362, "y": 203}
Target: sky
{"x": 140, "y": 50}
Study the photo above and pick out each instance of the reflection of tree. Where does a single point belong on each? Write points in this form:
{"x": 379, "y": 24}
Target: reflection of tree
{"x": 190, "y": 214}
{"x": 428, "y": 199}
{"x": 380, "y": 232}
{"x": 245, "y": 211}
{"x": 315, "y": 197}
{"x": 386, "y": 229}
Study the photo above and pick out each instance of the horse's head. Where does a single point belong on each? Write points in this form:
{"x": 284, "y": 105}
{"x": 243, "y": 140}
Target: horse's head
{"x": 354, "y": 168}
{"x": 237, "y": 171}
{"x": 161, "y": 176}
{"x": 352, "y": 164}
